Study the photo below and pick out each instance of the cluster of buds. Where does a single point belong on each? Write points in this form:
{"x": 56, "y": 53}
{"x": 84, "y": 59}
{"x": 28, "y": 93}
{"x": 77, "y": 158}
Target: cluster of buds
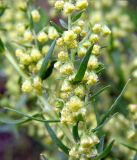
{"x": 112, "y": 13}
{"x": 86, "y": 148}
{"x": 77, "y": 39}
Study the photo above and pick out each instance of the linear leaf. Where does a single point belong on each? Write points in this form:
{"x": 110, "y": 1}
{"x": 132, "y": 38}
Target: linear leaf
{"x": 55, "y": 139}
{"x": 63, "y": 23}
{"x": 101, "y": 144}
{"x": 105, "y": 152}
{"x": 77, "y": 16}
{"x": 83, "y": 66}
{"x": 57, "y": 27}
{"x": 75, "y": 133}
{"x": 100, "y": 91}
{"x": 45, "y": 63}
{"x": 130, "y": 146}
{"x": 2, "y": 10}
{"x": 2, "y": 48}
{"x": 111, "y": 109}
{"x": 31, "y": 117}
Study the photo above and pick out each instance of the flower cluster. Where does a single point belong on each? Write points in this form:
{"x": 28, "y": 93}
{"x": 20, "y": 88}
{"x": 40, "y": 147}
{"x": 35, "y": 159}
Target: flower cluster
{"x": 73, "y": 45}
{"x": 86, "y": 148}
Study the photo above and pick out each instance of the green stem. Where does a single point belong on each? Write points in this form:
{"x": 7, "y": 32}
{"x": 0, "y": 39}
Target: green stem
{"x": 15, "y": 65}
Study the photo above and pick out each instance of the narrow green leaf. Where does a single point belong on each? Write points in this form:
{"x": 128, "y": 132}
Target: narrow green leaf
{"x": 75, "y": 133}
{"x": 31, "y": 117}
{"x": 105, "y": 152}
{"x": 55, "y": 139}
{"x": 58, "y": 28}
{"x": 100, "y": 91}
{"x": 2, "y": 48}
{"x": 96, "y": 112}
{"x": 129, "y": 146}
{"x": 13, "y": 122}
{"x": 63, "y": 23}
{"x": 83, "y": 66}
{"x": 49, "y": 70}
{"x": 77, "y": 16}
{"x": 101, "y": 144}
{"x": 45, "y": 63}
{"x": 111, "y": 109}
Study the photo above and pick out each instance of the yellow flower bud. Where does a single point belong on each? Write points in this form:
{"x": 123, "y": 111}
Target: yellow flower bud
{"x": 96, "y": 49}
{"x": 81, "y": 4}
{"x": 76, "y": 29}
{"x": 106, "y": 31}
{"x": 94, "y": 38}
{"x": 92, "y": 78}
{"x": 59, "y": 4}
{"x": 86, "y": 44}
{"x": 25, "y": 59}
{"x": 75, "y": 104}
{"x": 66, "y": 86}
{"x": 19, "y": 53}
{"x": 69, "y": 36}
{"x": 28, "y": 37}
{"x": 80, "y": 91}
{"x": 63, "y": 56}
{"x": 82, "y": 51}
{"x": 67, "y": 69}
{"x": 35, "y": 15}
{"x": 42, "y": 37}
{"x": 37, "y": 83}
{"x": 35, "y": 55}
{"x": 93, "y": 62}
{"x": 68, "y": 8}
{"x": 60, "y": 42}
{"x": 52, "y": 33}
{"x": 45, "y": 49}
{"x": 27, "y": 86}
{"x": 97, "y": 28}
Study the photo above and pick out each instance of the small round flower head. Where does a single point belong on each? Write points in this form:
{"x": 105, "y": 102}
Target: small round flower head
{"x": 25, "y": 59}
{"x": 81, "y": 4}
{"x": 86, "y": 142}
{"x": 52, "y": 33}
{"x": 81, "y": 23}
{"x": 59, "y": 4}
{"x": 28, "y": 37}
{"x": 82, "y": 51}
{"x": 35, "y": 15}
{"x": 97, "y": 28}
{"x": 92, "y": 78}
{"x": 27, "y": 86}
{"x": 73, "y": 44}
{"x": 74, "y": 153}
{"x": 86, "y": 44}
{"x": 134, "y": 73}
{"x": 93, "y": 62}
{"x": 106, "y": 31}
{"x": 37, "y": 83}
{"x": 67, "y": 68}
{"x": 80, "y": 91}
{"x": 66, "y": 86}
{"x": 60, "y": 42}
{"x": 74, "y": 104}
{"x": 20, "y": 28}
{"x": 63, "y": 56}
{"x": 96, "y": 49}
{"x": 77, "y": 29}
{"x": 35, "y": 55}
{"x": 19, "y": 53}
{"x": 94, "y": 38}
{"x": 45, "y": 49}
{"x": 68, "y": 8}
{"x": 132, "y": 108}
{"x": 42, "y": 37}
{"x": 69, "y": 36}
